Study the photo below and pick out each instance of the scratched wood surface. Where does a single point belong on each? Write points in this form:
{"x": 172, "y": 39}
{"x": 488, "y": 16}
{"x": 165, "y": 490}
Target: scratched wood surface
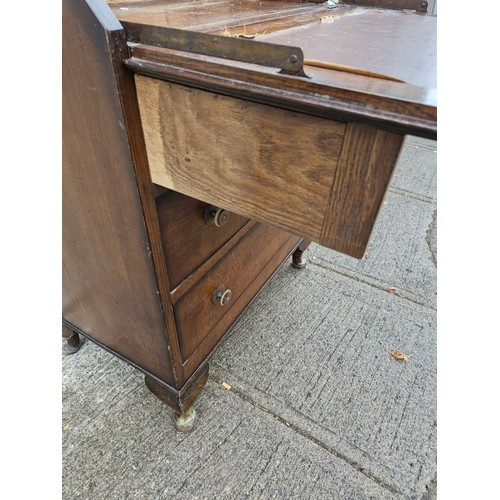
{"x": 214, "y": 16}
{"x": 390, "y": 43}
{"x": 256, "y": 160}
{"x": 365, "y": 167}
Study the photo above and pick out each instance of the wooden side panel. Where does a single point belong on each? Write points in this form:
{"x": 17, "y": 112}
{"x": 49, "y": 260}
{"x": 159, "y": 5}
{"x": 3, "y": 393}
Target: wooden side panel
{"x": 361, "y": 179}
{"x": 110, "y": 289}
{"x": 261, "y": 162}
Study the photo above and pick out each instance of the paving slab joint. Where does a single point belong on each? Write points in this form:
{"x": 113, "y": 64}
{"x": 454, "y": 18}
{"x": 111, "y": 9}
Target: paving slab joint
{"x": 309, "y": 436}
{"x": 320, "y": 263}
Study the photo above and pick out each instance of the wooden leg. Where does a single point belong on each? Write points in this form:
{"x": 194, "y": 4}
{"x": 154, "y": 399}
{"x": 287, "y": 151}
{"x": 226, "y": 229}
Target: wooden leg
{"x": 297, "y": 259}
{"x": 180, "y": 400}
{"x": 72, "y": 340}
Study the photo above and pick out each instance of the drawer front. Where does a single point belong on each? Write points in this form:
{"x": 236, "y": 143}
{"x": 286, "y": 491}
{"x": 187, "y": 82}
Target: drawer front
{"x": 318, "y": 178}
{"x": 189, "y": 237}
{"x": 201, "y": 318}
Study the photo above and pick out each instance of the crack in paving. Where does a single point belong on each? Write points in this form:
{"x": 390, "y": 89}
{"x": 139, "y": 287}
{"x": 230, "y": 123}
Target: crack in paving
{"x": 422, "y": 146}
{"x": 327, "y": 266}
{"x": 353, "y": 463}
{"x": 410, "y": 194}
{"x": 431, "y": 489}
{"x": 431, "y": 237}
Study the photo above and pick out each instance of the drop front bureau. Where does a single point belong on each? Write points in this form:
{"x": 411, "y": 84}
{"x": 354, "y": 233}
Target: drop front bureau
{"x": 205, "y": 143}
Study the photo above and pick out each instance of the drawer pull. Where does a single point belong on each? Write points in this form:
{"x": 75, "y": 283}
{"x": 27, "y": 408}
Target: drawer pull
{"x": 216, "y": 216}
{"x": 221, "y": 295}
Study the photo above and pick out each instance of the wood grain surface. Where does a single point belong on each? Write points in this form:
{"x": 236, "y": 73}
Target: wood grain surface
{"x": 244, "y": 270}
{"x": 259, "y": 161}
{"x": 362, "y": 176}
{"x": 187, "y": 239}
{"x": 288, "y": 169}
{"x": 219, "y": 16}
{"x": 392, "y": 43}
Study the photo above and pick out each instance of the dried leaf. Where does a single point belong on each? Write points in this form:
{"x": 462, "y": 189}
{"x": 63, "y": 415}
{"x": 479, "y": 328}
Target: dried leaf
{"x": 401, "y": 356}
{"x": 226, "y": 386}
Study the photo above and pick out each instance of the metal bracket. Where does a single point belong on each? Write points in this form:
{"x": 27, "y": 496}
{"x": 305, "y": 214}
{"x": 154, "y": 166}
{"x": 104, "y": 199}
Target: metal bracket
{"x": 290, "y": 60}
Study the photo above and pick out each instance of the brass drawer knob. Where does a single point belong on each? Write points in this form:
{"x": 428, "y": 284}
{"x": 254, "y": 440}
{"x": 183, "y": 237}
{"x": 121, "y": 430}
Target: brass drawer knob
{"x": 221, "y": 296}
{"x": 215, "y": 216}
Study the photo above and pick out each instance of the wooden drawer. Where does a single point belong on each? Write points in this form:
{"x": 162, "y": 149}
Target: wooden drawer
{"x": 187, "y": 239}
{"x": 318, "y": 178}
{"x": 244, "y": 269}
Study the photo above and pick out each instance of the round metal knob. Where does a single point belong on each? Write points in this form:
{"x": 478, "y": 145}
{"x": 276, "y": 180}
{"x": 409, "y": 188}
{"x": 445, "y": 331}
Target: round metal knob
{"x": 216, "y": 216}
{"x": 221, "y": 296}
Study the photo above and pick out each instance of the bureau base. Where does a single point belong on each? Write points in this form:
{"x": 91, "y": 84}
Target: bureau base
{"x": 180, "y": 400}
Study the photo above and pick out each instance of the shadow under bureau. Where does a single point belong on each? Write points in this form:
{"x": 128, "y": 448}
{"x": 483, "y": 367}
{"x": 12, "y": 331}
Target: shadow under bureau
{"x": 204, "y": 143}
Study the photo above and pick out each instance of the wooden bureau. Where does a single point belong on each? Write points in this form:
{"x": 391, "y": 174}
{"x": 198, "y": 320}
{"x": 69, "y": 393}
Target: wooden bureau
{"x": 202, "y": 148}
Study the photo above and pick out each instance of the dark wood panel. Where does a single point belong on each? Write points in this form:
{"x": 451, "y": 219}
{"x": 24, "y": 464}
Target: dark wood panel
{"x": 187, "y": 239}
{"x": 110, "y": 290}
{"x": 196, "y": 313}
{"x": 417, "y": 5}
{"x": 188, "y": 283}
{"x": 181, "y": 402}
{"x": 262, "y": 274}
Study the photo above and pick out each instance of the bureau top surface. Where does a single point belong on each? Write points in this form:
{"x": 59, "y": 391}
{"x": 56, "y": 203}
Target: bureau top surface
{"x": 395, "y": 44}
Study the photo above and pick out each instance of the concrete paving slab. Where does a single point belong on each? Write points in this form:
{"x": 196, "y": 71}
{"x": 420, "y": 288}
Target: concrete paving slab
{"x": 415, "y": 173}
{"x": 399, "y": 254}
{"x": 421, "y": 141}
{"x": 318, "y": 344}
{"x": 125, "y": 446}
{"x": 317, "y": 407}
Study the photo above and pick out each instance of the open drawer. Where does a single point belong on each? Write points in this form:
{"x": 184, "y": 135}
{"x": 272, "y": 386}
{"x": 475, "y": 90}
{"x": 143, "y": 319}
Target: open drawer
{"x": 319, "y": 178}
{"x": 310, "y": 153}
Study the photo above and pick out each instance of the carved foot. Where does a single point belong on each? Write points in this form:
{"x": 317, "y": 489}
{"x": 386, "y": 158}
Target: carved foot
{"x": 298, "y": 260}
{"x": 72, "y": 341}
{"x": 181, "y": 400}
